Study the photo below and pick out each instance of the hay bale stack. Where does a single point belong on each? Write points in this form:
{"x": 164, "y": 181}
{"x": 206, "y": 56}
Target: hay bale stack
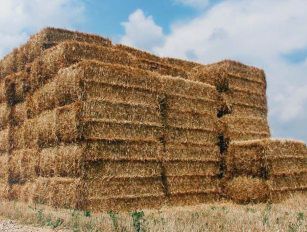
{"x": 280, "y": 164}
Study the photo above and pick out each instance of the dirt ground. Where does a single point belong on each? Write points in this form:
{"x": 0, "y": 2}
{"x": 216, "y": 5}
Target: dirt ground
{"x": 12, "y": 226}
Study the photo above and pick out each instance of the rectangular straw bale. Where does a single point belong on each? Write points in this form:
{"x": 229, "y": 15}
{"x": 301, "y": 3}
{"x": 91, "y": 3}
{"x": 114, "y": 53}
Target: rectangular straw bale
{"x": 191, "y": 120}
{"x": 120, "y": 94}
{"x": 41, "y": 41}
{"x": 227, "y": 69}
{"x": 238, "y": 109}
{"x": 68, "y": 127}
{"x": 4, "y": 115}
{"x": 68, "y": 53}
{"x": 4, "y": 168}
{"x": 161, "y": 68}
{"x": 293, "y": 182}
{"x": 238, "y": 83}
{"x": 186, "y": 65}
{"x": 182, "y": 87}
{"x": 47, "y": 162}
{"x": 19, "y": 113}
{"x": 4, "y": 140}
{"x": 98, "y": 170}
{"x": 46, "y": 128}
{"x": 2, "y": 90}
{"x": 191, "y": 168}
{"x": 192, "y": 184}
{"x": 100, "y": 109}
{"x": 113, "y": 130}
{"x": 17, "y": 137}
{"x": 30, "y": 133}
{"x": 192, "y": 152}
{"x": 192, "y": 198}
{"x": 266, "y": 157}
{"x": 57, "y": 192}
{"x": 185, "y": 135}
{"x": 66, "y": 192}
{"x": 124, "y": 187}
{"x": 62, "y": 161}
{"x": 189, "y": 104}
{"x": 230, "y": 123}
{"x": 124, "y": 203}
{"x": 43, "y": 99}
{"x": 23, "y": 165}
{"x": 123, "y": 150}
{"x": 22, "y": 192}
{"x": 245, "y": 98}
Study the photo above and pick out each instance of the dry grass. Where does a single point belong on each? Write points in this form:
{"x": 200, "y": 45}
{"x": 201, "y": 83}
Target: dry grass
{"x": 289, "y": 215}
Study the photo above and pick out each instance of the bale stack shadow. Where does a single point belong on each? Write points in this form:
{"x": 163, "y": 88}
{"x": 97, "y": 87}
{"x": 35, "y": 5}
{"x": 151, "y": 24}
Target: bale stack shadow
{"x": 90, "y": 125}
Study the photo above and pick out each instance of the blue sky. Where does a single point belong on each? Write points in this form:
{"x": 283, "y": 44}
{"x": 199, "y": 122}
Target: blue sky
{"x": 265, "y": 33}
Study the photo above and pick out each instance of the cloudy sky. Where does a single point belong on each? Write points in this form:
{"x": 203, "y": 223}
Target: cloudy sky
{"x": 269, "y": 34}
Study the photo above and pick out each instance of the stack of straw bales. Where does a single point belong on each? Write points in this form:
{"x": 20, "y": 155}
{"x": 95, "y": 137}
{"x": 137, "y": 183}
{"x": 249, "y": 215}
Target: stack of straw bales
{"x": 90, "y": 125}
{"x": 267, "y": 169}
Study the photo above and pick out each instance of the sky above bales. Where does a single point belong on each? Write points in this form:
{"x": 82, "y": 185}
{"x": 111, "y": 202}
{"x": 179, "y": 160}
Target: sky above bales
{"x": 265, "y": 33}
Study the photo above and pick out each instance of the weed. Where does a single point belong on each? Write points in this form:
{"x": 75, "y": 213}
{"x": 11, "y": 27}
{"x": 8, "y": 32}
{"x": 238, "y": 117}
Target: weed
{"x": 266, "y": 213}
{"x": 137, "y": 217}
{"x": 113, "y": 217}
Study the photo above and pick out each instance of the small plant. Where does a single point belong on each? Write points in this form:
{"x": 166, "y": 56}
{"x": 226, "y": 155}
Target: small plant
{"x": 113, "y": 217}
{"x": 87, "y": 213}
{"x": 137, "y": 217}
{"x": 265, "y": 219}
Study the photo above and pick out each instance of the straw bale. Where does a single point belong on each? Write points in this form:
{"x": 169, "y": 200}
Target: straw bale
{"x": 23, "y": 165}
{"x": 46, "y": 127}
{"x": 238, "y": 109}
{"x": 113, "y": 130}
{"x": 185, "y": 135}
{"x": 4, "y": 140}
{"x": 192, "y": 184}
{"x": 2, "y": 89}
{"x": 245, "y": 98}
{"x": 65, "y": 192}
{"x": 186, "y": 65}
{"x": 227, "y": 69}
{"x": 100, "y": 109}
{"x": 124, "y": 203}
{"x": 22, "y": 192}
{"x": 230, "y": 123}
{"x": 19, "y": 113}
{"x": 291, "y": 182}
{"x": 191, "y": 152}
{"x": 61, "y": 161}
{"x": 124, "y": 187}
{"x": 47, "y": 162}
{"x": 192, "y": 198}
{"x": 160, "y": 68}
{"x": 68, "y": 127}
{"x": 189, "y": 104}
{"x": 191, "y": 168}
{"x": 17, "y": 137}
{"x": 43, "y": 99}
{"x": 99, "y": 170}
{"x": 57, "y": 192}
{"x": 4, "y": 168}
{"x": 138, "y": 53}
{"x": 191, "y": 120}
{"x": 246, "y": 190}
{"x": 123, "y": 150}
{"x": 266, "y": 158}
{"x": 4, "y": 115}
{"x": 68, "y": 53}
{"x": 4, "y": 188}
{"x": 30, "y": 133}
{"x": 41, "y": 41}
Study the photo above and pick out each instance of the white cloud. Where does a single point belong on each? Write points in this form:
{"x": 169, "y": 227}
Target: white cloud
{"x": 141, "y": 31}
{"x": 19, "y": 18}
{"x": 194, "y": 3}
{"x": 256, "y": 32}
